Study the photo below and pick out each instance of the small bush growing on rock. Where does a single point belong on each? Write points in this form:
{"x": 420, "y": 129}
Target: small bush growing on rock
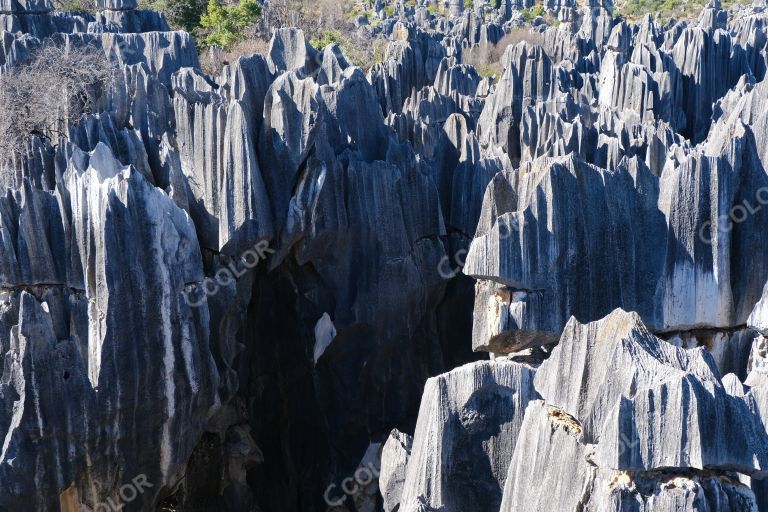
{"x": 52, "y": 90}
{"x": 326, "y": 38}
{"x": 434, "y": 10}
{"x": 226, "y": 25}
{"x": 355, "y": 11}
{"x": 323, "y": 22}
{"x": 664, "y": 9}
{"x": 75, "y": 6}
{"x": 359, "y": 51}
{"x": 379, "y": 51}
{"x": 529, "y": 14}
{"x": 181, "y": 14}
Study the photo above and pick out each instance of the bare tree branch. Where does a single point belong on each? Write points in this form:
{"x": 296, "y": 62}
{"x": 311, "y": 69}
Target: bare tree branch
{"x": 54, "y": 89}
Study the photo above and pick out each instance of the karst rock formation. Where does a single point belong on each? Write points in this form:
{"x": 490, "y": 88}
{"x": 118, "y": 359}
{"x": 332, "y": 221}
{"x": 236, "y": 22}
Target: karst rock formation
{"x": 302, "y": 286}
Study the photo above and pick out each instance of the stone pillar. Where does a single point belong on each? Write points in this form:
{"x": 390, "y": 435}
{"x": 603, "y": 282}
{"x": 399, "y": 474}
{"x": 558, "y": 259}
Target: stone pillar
{"x": 25, "y": 6}
{"x": 456, "y": 7}
{"x": 116, "y": 5}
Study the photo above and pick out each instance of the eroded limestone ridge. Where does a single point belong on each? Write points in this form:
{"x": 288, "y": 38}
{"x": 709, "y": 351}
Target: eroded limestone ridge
{"x": 253, "y": 290}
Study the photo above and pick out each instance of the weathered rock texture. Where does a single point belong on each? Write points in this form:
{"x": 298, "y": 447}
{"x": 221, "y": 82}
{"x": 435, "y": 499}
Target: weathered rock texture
{"x": 254, "y": 290}
{"x": 465, "y": 436}
{"x": 636, "y": 420}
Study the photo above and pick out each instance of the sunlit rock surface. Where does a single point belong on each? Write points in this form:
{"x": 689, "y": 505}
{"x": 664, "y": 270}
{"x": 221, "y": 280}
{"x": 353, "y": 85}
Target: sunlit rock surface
{"x": 251, "y": 289}
{"x": 645, "y": 435}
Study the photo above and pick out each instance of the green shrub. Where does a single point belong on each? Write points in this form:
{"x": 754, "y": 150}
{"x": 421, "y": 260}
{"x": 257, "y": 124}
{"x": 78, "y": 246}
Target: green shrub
{"x": 379, "y": 51}
{"x": 224, "y": 26}
{"x": 486, "y": 70}
{"x": 529, "y": 14}
{"x": 181, "y": 14}
{"x": 433, "y": 9}
{"x": 326, "y": 38}
{"x": 664, "y": 9}
{"x": 354, "y": 11}
{"x": 76, "y": 6}
{"x": 358, "y": 52}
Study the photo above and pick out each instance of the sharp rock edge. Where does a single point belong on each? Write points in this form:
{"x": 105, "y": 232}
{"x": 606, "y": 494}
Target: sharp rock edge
{"x": 246, "y": 289}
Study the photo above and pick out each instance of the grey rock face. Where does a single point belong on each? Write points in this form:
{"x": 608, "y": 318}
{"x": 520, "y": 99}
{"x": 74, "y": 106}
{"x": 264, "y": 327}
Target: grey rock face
{"x": 121, "y": 17}
{"x": 58, "y": 341}
{"x": 456, "y": 7}
{"x": 699, "y": 91}
{"x": 619, "y": 356}
{"x": 102, "y": 349}
{"x": 171, "y": 261}
{"x": 758, "y": 318}
{"x": 28, "y": 259}
{"x": 524, "y": 249}
{"x": 603, "y": 445}
{"x": 531, "y": 230}
{"x": 548, "y": 470}
{"x": 554, "y": 473}
{"x": 394, "y": 464}
{"x": 117, "y": 5}
{"x": 530, "y": 77}
{"x": 229, "y": 201}
{"x": 25, "y": 6}
{"x": 465, "y": 435}
{"x": 288, "y": 133}
{"x": 508, "y": 320}
{"x": 670, "y": 490}
{"x": 41, "y": 366}
{"x": 697, "y": 406}
{"x": 289, "y": 51}
{"x": 333, "y": 65}
{"x": 234, "y": 287}
{"x": 729, "y": 349}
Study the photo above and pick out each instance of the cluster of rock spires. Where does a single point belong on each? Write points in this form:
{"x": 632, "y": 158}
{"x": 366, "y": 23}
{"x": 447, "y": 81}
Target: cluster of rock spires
{"x": 639, "y": 425}
{"x": 232, "y": 288}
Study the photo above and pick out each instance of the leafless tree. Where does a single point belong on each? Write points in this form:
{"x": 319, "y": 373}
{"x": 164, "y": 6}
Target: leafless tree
{"x": 53, "y": 89}
{"x": 324, "y": 21}
{"x": 487, "y": 60}
{"x": 312, "y": 16}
